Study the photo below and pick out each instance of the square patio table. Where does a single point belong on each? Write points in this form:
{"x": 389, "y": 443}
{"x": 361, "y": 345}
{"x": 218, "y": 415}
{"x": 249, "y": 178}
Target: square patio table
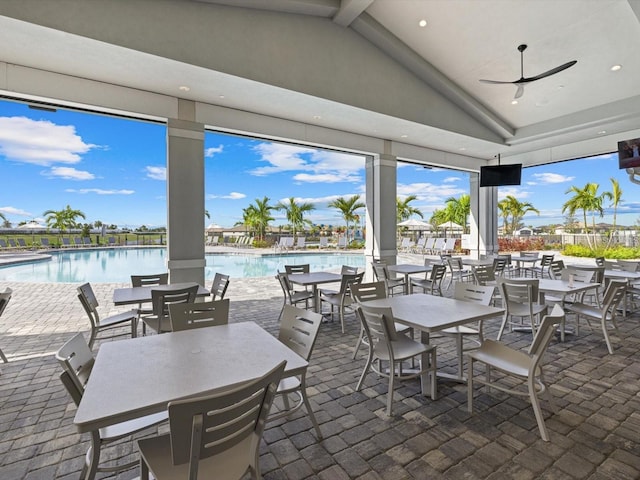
{"x": 135, "y": 295}
{"x": 407, "y": 269}
{"x": 137, "y": 377}
{"x": 314, "y": 279}
{"x": 432, "y": 313}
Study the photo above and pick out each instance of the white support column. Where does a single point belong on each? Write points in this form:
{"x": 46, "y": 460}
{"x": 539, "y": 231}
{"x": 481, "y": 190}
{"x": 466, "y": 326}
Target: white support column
{"x": 185, "y": 199}
{"x": 381, "y": 210}
{"x": 484, "y": 218}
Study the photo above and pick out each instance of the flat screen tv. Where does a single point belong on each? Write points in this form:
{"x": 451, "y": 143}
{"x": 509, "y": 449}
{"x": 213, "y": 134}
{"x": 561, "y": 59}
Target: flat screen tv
{"x": 498, "y": 175}
{"x": 629, "y": 153}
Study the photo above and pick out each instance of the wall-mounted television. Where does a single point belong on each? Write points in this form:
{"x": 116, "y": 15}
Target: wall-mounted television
{"x": 498, "y": 175}
{"x": 629, "y": 153}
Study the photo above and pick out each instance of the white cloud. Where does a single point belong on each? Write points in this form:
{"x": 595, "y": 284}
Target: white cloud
{"x": 514, "y": 192}
{"x": 211, "y": 151}
{"x": 316, "y": 165}
{"x": 100, "y": 191}
{"x": 40, "y": 142}
{"x": 230, "y": 196}
{"x": 156, "y": 173}
{"x": 552, "y": 178}
{"x": 69, "y": 173}
{"x": 452, "y": 179}
{"x": 318, "y": 202}
{"x": 429, "y": 192}
{"x": 14, "y": 211}
{"x": 326, "y": 178}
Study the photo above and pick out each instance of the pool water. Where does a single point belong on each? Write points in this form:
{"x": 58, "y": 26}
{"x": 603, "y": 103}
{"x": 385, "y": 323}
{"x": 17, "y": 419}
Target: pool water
{"x": 115, "y": 265}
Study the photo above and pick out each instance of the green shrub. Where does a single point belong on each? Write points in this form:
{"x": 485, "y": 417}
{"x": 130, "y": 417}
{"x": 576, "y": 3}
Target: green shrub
{"x": 261, "y": 244}
{"x": 618, "y": 252}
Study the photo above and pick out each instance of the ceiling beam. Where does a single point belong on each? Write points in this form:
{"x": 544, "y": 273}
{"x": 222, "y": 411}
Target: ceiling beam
{"x": 350, "y": 10}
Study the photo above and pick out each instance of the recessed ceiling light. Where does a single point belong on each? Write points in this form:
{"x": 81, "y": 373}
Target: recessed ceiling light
{"x": 615, "y": 68}
{"x": 560, "y": 86}
{"x": 404, "y": 136}
{"x": 220, "y": 96}
{"x": 183, "y": 88}
{"x": 422, "y": 23}
{"x": 514, "y": 102}
{"x": 602, "y": 132}
{"x": 317, "y": 117}
{"x": 462, "y": 149}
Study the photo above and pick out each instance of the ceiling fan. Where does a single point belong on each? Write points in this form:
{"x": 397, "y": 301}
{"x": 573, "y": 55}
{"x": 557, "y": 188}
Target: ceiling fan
{"x": 522, "y": 81}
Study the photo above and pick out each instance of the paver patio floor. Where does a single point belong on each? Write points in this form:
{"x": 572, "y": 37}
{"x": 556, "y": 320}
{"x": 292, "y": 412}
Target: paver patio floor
{"x": 595, "y": 431}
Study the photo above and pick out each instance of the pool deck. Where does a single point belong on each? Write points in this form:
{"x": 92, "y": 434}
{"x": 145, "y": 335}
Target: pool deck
{"x": 594, "y": 429}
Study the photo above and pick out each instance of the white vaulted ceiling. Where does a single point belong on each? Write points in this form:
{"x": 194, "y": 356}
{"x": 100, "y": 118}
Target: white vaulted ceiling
{"x": 362, "y": 67}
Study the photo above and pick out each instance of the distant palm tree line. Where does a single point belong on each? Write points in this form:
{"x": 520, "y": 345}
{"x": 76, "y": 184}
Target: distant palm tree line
{"x": 257, "y": 216}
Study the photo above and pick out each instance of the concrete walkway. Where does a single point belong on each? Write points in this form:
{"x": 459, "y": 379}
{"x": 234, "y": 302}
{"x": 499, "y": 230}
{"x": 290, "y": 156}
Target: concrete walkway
{"x": 595, "y": 431}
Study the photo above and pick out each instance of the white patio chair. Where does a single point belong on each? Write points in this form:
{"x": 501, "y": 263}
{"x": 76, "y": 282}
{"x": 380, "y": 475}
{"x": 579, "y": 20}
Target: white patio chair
{"x": 341, "y": 299}
{"x": 520, "y": 298}
{"x": 342, "y": 242}
{"x": 298, "y": 331}
{"x": 159, "y": 320}
{"x": 613, "y": 295}
{"x": 77, "y": 361}
{"x": 459, "y": 273}
{"x": 394, "y": 349}
{"x": 90, "y": 303}
{"x": 214, "y": 436}
{"x": 301, "y": 243}
{"x": 362, "y": 292}
{"x": 219, "y": 286}
{"x": 148, "y": 280}
{"x": 480, "y": 294}
{"x": 381, "y": 272}
{"x": 185, "y": 316}
{"x": 432, "y": 281}
{"x": 518, "y": 364}
{"x": 323, "y": 243}
{"x": 291, "y": 296}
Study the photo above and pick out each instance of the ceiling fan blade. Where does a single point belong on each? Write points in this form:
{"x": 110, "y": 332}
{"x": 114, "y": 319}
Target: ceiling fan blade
{"x": 553, "y": 71}
{"x": 519, "y": 91}
{"x": 498, "y": 82}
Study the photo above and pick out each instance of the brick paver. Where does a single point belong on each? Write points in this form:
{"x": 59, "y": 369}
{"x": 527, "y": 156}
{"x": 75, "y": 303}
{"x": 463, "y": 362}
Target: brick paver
{"x": 595, "y": 429}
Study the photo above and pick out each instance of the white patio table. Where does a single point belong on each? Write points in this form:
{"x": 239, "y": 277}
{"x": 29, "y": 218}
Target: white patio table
{"x": 140, "y": 376}
{"x": 432, "y": 313}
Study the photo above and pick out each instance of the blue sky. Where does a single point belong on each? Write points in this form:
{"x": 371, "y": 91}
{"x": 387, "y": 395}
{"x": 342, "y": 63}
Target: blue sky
{"x": 114, "y": 171}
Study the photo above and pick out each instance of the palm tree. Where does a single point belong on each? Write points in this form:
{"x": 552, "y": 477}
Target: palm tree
{"x": 510, "y": 206}
{"x": 257, "y": 217}
{"x": 5, "y": 222}
{"x": 347, "y": 207}
{"x": 206, "y": 214}
{"x": 616, "y": 197}
{"x": 503, "y": 211}
{"x": 587, "y": 200}
{"x": 404, "y": 210}
{"x": 63, "y": 219}
{"x": 458, "y": 210}
{"x": 295, "y": 213}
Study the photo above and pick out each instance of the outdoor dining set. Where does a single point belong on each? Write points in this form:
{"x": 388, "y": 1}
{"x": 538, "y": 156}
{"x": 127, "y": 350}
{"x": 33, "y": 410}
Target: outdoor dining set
{"x": 218, "y": 383}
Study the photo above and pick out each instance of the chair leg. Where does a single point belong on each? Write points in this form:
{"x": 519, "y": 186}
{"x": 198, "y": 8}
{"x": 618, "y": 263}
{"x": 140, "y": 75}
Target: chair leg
{"x": 305, "y": 399}
{"x": 144, "y": 470}
{"x": 367, "y": 366}
{"x": 504, "y": 324}
{"x": 357, "y": 347}
{"x": 391, "y": 386}
{"x": 4, "y": 358}
{"x": 606, "y": 334}
{"x": 470, "y": 386}
{"x": 536, "y": 409}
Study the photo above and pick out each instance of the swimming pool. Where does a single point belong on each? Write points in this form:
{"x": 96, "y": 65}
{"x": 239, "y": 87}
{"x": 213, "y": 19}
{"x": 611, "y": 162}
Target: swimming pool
{"x": 115, "y": 265}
